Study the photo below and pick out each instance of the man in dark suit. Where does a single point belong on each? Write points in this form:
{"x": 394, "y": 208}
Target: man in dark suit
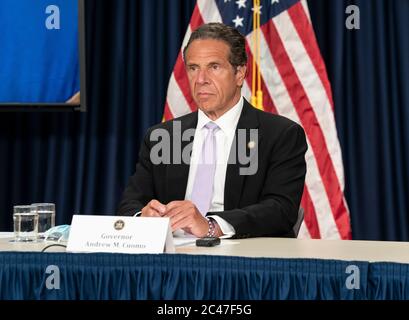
{"x": 220, "y": 190}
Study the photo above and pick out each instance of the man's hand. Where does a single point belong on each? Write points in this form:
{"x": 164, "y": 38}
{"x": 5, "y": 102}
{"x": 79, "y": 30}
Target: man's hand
{"x": 184, "y": 215}
{"x": 75, "y": 99}
{"x": 153, "y": 209}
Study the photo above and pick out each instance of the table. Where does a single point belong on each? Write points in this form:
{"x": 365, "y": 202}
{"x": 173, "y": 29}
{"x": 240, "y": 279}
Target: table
{"x": 260, "y": 268}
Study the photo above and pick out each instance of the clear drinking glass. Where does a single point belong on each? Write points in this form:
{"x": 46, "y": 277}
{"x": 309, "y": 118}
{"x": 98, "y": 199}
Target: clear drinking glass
{"x": 46, "y": 217}
{"x": 25, "y": 220}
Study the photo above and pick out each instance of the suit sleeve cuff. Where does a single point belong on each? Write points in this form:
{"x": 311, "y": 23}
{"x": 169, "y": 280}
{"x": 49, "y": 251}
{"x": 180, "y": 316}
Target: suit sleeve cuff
{"x": 227, "y": 228}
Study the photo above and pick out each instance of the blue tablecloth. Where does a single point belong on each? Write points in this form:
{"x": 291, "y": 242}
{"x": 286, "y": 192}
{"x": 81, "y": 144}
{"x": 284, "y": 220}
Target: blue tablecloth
{"x": 175, "y": 276}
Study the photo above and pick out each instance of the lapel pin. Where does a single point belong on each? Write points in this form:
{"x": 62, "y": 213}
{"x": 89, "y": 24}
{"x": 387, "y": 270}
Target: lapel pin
{"x": 251, "y": 145}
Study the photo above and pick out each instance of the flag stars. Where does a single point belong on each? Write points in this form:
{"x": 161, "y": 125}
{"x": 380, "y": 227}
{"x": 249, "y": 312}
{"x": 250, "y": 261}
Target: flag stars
{"x": 238, "y": 22}
{"x": 272, "y": 1}
{"x": 241, "y": 3}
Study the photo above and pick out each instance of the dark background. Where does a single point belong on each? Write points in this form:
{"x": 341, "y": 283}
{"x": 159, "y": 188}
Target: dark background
{"x": 81, "y": 161}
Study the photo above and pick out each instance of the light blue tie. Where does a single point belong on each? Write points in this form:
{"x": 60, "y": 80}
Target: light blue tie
{"x": 203, "y": 184}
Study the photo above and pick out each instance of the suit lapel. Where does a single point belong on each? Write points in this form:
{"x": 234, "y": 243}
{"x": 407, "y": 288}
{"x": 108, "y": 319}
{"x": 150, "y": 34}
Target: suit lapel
{"x": 234, "y": 180}
{"x": 177, "y": 174}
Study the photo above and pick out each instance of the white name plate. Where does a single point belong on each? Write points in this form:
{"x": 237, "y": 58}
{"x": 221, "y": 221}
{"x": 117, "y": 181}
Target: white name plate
{"x": 119, "y": 234}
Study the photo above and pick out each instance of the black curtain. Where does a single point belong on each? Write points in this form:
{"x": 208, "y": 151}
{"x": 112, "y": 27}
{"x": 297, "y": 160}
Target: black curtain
{"x": 82, "y": 161}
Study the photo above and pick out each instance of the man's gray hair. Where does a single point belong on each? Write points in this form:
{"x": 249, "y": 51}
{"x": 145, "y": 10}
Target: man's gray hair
{"x": 219, "y": 31}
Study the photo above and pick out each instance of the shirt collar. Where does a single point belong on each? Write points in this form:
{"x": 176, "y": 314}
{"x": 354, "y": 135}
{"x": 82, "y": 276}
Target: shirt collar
{"x": 227, "y": 122}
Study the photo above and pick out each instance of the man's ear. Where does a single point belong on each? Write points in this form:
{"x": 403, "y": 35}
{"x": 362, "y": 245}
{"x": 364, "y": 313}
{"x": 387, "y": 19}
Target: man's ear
{"x": 241, "y": 73}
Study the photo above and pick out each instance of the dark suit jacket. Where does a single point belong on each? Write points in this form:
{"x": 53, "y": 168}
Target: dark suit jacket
{"x": 263, "y": 204}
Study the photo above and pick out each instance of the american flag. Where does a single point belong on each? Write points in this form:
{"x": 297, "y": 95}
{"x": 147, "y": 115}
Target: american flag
{"x": 294, "y": 84}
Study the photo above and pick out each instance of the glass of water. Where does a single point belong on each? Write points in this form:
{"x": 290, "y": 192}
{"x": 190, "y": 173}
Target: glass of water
{"x": 46, "y": 217}
{"x": 25, "y": 220}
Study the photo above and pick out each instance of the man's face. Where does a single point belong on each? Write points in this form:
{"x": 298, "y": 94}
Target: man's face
{"x": 214, "y": 84}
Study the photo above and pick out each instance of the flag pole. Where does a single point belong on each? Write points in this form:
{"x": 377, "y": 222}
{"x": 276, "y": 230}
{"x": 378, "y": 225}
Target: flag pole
{"x": 256, "y": 92}
{"x": 253, "y": 73}
{"x": 259, "y": 91}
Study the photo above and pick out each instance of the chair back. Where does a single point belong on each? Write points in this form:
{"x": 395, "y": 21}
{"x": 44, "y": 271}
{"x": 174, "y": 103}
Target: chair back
{"x": 299, "y": 221}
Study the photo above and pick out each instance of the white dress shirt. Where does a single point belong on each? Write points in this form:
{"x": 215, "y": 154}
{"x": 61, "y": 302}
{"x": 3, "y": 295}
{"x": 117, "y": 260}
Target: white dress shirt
{"x": 224, "y": 139}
